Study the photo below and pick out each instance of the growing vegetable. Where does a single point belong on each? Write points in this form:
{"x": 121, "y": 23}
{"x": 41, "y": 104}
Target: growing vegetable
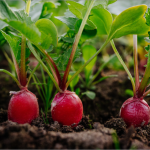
{"x": 43, "y": 33}
{"x": 135, "y": 111}
{"x": 23, "y": 106}
{"x": 124, "y": 24}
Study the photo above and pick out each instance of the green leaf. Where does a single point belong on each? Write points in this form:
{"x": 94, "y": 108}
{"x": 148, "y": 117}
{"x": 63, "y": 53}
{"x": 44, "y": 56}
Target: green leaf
{"x": 68, "y": 39}
{"x": 3, "y": 24}
{"x": 77, "y": 91}
{"x": 89, "y": 31}
{"x": 103, "y": 78}
{"x": 102, "y": 19}
{"x": 48, "y": 31}
{"x": 47, "y": 9}
{"x": 70, "y": 22}
{"x": 19, "y": 21}
{"x": 35, "y": 11}
{"x": 111, "y": 1}
{"x": 63, "y": 59}
{"x": 87, "y": 52}
{"x": 147, "y": 16}
{"x": 14, "y": 44}
{"x": 74, "y": 81}
{"x": 76, "y": 9}
{"x": 89, "y": 94}
{"x": 121, "y": 5}
{"x": 130, "y": 21}
{"x": 129, "y": 92}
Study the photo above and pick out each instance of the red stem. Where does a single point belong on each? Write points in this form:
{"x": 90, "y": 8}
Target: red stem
{"x": 135, "y": 53}
{"x": 23, "y": 62}
{"x": 53, "y": 72}
{"x": 57, "y": 75}
{"x": 69, "y": 66}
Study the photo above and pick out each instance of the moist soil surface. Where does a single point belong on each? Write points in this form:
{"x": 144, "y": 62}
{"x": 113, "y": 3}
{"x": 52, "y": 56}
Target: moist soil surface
{"x": 100, "y": 127}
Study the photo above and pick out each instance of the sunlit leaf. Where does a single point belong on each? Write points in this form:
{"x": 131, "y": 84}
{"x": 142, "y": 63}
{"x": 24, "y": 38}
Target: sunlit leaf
{"x": 102, "y": 19}
{"x": 48, "y": 31}
{"x": 76, "y": 9}
{"x": 19, "y": 21}
{"x": 130, "y": 21}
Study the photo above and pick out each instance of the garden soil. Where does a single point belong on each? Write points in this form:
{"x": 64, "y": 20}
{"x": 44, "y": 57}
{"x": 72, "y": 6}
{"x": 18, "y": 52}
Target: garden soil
{"x": 100, "y": 128}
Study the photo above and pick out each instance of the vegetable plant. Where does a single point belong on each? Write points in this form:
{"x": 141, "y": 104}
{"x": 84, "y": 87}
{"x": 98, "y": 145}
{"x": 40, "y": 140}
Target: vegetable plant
{"x": 135, "y": 111}
{"x": 91, "y": 16}
{"x": 23, "y": 106}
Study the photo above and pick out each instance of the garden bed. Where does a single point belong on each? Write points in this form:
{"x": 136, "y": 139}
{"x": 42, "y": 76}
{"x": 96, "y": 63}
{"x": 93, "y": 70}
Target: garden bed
{"x": 96, "y": 129}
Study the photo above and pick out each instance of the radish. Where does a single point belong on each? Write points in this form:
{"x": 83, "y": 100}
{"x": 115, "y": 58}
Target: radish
{"x": 136, "y": 112}
{"x": 23, "y": 107}
{"x": 67, "y": 108}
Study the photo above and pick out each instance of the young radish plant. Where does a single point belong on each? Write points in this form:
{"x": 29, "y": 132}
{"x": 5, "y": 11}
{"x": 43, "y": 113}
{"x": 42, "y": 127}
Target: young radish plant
{"x": 23, "y": 106}
{"x": 43, "y": 33}
{"x": 135, "y": 111}
{"x": 66, "y": 107}
{"x": 130, "y": 21}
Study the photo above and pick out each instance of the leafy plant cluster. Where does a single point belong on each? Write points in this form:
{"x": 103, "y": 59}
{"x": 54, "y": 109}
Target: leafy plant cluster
{"x": 38, "y": 35}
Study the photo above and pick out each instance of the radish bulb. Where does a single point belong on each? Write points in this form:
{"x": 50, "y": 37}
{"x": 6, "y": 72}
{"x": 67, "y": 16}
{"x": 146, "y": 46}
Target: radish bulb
{"x": 23, "y": 107}
{"x": 136, "y": 112}
{"x": 67, "y": 108}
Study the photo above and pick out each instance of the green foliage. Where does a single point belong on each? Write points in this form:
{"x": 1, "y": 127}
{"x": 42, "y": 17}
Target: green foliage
{"x": 62, "y": 60}
{"x": 129, "y": 92}
{"x": 102, "y": 19}
{"x": 20, "y": 21}
{"x": 14, "y": 42}
{"x": 89, "y": 94}
{"x": 147, "y": 16}
{"x": 74, "y": 82}
{"x": 77, "y": 9}
{"x": 88, "y": 51}
{"x": 130, "y": 21}
{"x": 48, "y": 33}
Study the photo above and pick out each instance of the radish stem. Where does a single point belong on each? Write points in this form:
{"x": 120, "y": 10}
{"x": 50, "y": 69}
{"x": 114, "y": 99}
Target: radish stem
{"x": 124, "y": 65}
{"x": 77, "y": 38}
{"x": 145, "y": 79}
{"x": 15, "y": 79}
{"x": 136, "y": 72}
{"x": 44, "y": 66}
{"x": 23, "y": 52}
{"x": 80, "y": 69}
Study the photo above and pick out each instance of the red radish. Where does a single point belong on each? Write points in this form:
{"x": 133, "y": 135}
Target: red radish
{"x": 67, "y": 108}
{"x": 23, "y": 107}
{"x": 135, "y": 111}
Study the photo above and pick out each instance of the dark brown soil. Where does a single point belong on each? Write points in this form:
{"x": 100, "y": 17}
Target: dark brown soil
{"x": 100, "y": 127}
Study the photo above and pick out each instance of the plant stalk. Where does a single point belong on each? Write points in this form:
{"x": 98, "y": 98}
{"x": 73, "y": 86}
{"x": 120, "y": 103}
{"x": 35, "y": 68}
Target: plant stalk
{"x": 16, "y": 65}
{"x": 77, "y": 38}
{"x": 135, "y": 56}
{"x": 44, "y": 66}
{"x": 52, "y": 64}
{"x": 101, "y": 68}
{"x": 146, "y": 93}
{"x": 145, "y": 79}
{"x": 7, "y": 72}
{"x": 124, "y": 65}
{"x": 80, "y": 69}
{"x": 23, "y": 53}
